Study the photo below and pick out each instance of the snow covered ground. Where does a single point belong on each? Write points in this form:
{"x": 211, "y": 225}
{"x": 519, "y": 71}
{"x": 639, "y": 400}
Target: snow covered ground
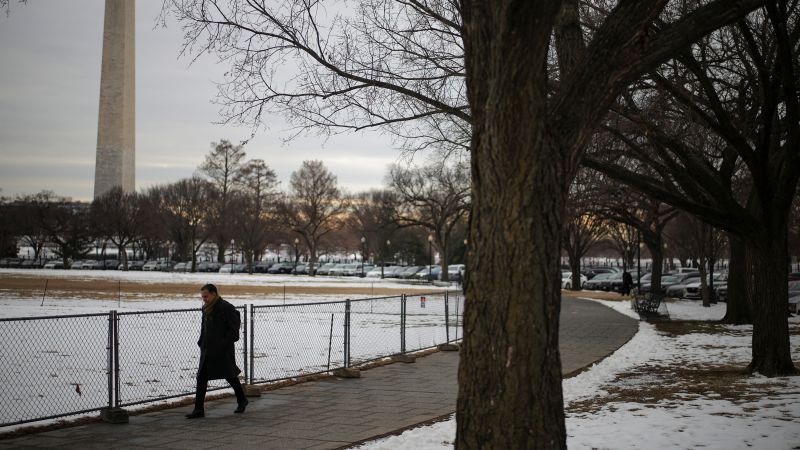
{"x": 669, "y": 387}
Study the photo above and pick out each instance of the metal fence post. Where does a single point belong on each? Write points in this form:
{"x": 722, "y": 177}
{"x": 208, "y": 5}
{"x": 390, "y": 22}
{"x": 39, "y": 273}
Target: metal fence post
{"x": 347, "y": 333}
{"x": 403, "y": 324}
{"x": 116, "y": 359}
{"x": 244, "y": 346}
{"x": 110, "y": 367}
{"x": 252, "y": 343}
{"x": 446, "y": 317}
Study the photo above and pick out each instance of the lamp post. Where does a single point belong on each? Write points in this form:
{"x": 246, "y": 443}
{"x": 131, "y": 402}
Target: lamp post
{"x": 388, "y": 243}
{"x": 638, "y": 261}
{"x": 430, "y": 251}
{"x": 296, "y": 254}
{"x": 363, "y": 254}
{"x": 233, "y": 264}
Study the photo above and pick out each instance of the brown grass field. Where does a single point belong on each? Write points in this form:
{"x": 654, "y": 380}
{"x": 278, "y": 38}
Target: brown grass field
{"x": 32, "y": 286}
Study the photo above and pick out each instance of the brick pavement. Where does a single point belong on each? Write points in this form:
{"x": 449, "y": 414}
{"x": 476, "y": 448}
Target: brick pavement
{"x": 334, "y": 412}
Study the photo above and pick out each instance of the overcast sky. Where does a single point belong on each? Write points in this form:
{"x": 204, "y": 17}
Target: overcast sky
{"x": 50, "y": 53}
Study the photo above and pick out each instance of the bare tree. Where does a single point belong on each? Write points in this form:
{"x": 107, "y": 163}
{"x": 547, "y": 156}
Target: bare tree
{"x": 582, "y": 228}
{"x": 30, "y": 211}
{"x": 185, "y": 208}
{"x": 720, "y": 129}
{"x": 221, "y": 166}
{"x": 116, "y": 216}
{"x": 372, "y": 215}
{"x": 67, "y": 223}
{"x": 9, "y": 228}
{"x": 254, "y": 208}
{"x": 434, "y": 197}
{"x": 393, "y": 65}
{"x": 647, "y": 216}
{"x": 314, "y": 207}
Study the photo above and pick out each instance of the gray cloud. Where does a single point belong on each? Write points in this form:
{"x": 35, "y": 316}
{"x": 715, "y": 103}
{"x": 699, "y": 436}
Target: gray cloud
{"x": 49, "y": 80}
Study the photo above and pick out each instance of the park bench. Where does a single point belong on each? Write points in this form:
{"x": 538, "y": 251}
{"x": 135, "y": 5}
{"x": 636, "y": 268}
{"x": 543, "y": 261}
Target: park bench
{"x": 647, "y": 305}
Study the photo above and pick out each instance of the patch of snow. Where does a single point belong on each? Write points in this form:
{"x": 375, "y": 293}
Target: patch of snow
{"x": 769, "y": 417}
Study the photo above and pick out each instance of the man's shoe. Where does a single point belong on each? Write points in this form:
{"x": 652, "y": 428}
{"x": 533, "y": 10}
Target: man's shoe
{"x": 197, "y": 413}
{"x": 241, "y": 407}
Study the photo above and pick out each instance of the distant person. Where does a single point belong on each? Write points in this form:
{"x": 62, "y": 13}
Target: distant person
{"x": 219, "y": 331}
{"x": 627, "y": 283}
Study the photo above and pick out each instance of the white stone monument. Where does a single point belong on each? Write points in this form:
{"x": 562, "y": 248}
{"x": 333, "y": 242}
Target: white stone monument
{"x": 116, "y": 146}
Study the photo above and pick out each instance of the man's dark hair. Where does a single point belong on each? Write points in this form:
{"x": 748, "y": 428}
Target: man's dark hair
{"x": 210, "y": 288}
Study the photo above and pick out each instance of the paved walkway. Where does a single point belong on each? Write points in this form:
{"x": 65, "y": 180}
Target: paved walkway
{"x": 334, "y": 412}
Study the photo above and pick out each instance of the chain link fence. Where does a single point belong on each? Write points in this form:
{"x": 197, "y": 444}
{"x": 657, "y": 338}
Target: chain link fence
{"x": 295, "y": 340}
{"x": 159, "y": 357}
{"x": 53, "y": 366}
{"x": 64, "y": 365}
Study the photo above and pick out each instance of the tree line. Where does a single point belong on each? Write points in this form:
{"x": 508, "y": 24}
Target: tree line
{"x": 235, "y": 201}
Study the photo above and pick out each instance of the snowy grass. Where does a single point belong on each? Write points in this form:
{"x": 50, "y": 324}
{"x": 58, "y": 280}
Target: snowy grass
{"x": 671, "y": 386}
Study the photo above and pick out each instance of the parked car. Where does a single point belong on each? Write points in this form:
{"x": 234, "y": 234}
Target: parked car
{"x": 54, "y": 264}
{"x": 429, "y": 273}
{"x": 337, "y": 270}
{"x": 149, "y": 266}
{"x": 301, "y": 269}
{"x": 262, "y": 266}
{"x": 10, "y": 262}
{"x": 794, "y": 276}
{"x": 132, "y": 265}
{"x": 325, "y": 269}
{"x": 110, "y": 264}
{"x": 666, "y": 281}
{"x": 388, "y": 272}
{"x": 208, "y": 266}
{"x": 566, "y": 280}
{"x": 283, "y": 267}
{"x": 455, "y": 272}
{"x": 692, "y": 291}
{"x": 165, "y": 266}
{"x": 676, "y": 290}
{"x": 182, "y": 267}
{"x": 592, "y": 272}
{"x": 410, "y": 272}
{"x": 596, "y": 282}
{"x": 92, "y": 265}
{"x": 29, "y": 264}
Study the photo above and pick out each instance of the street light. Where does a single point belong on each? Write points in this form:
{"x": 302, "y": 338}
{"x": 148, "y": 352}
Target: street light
{"x": 233, "y": 265}
{"x": 430, "y": 250}
{"x": 638, "y": 261}
{"x": 296, "y": 254}
{"x": 363, "y": 254}
{"x": 388, "y": 244}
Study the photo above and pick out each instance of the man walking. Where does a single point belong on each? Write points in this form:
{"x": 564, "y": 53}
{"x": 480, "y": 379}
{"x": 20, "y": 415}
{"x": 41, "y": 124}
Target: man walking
{"x": 219, "y": 331}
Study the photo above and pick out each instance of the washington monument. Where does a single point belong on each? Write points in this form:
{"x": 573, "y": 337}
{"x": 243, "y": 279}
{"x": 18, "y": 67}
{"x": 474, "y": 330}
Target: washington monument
{"x": 116, "y": 148}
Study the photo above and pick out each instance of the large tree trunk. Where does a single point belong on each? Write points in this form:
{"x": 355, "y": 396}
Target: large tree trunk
{"x": 123, "y": 256}
{"x": 771, "y": 353}
{"x": 738, "y": 302}
{"x": 657, "y": 254}
{"x": 445, "y": 276}
{"x": 510, "y": 369}
{"x": 222, "y": 245}
{"x": 575, "y": 267}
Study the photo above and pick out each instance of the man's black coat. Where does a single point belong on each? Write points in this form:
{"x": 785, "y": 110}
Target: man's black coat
{"x": 217, "y": 336}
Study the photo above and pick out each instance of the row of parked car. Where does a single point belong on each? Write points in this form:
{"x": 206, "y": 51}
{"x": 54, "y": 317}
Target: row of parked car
{"x": 432, "y": 272}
